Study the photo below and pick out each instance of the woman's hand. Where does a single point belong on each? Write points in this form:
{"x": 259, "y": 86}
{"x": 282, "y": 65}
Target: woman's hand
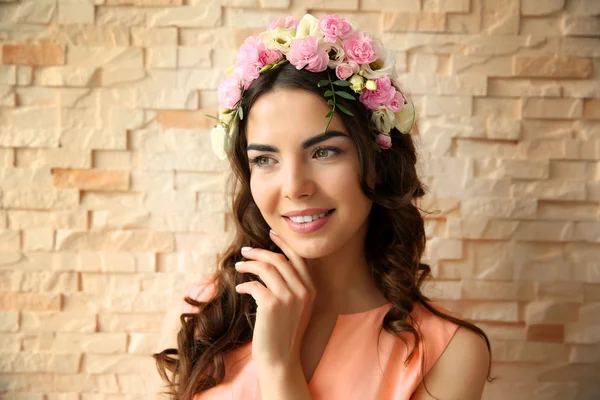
{"x": 284, "y": 306}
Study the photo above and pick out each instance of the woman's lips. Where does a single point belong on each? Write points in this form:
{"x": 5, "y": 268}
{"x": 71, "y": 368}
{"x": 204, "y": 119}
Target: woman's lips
{"x": 309, "y": 227}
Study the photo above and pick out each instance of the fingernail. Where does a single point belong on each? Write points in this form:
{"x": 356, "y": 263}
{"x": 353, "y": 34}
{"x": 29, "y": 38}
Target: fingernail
{"x": 246, "y": 249}
{"x": 273, "y": 232}
{"x": 237, "y": 264}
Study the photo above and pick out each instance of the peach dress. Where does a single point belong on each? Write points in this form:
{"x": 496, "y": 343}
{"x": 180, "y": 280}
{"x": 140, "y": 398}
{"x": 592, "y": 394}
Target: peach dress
{"x": 352, "y": 366}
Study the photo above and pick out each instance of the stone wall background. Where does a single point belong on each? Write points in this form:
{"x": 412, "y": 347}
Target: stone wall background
{"x": 111, "y": 199}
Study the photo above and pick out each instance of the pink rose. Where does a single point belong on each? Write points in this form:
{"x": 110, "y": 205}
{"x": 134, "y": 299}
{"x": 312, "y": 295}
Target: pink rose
{"x": 229, "y": 92}
{"x": 382, "y": 95}
{"x": 334, "y": 27}
{"x": 250, "y": 59}
{"x": 287, "y": 22}
{"x": 269, "y": 56}
{"x": 396, "y": 103}
{"x": 384, "y": 141}
{"x": 361, "y": 48}
{"x": 343, "y": 71}
{"x": 249, "y": 50}
{"x": 305, "y": 52}
{"x": 248, "y": 73}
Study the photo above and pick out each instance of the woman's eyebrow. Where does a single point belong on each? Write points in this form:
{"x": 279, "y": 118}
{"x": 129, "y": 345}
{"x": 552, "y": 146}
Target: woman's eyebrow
{"x": 306, "y": 144}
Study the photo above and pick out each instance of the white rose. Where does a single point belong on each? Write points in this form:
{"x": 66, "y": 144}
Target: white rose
{"x": 406, "y": 118}
{"x": 384, "y": 65}
{"x": 337, "y": 49}
{"x": 278, "y": 39}
{"x": 225, "y": 117}
{"x": 383, "y": 119}
{"x": 217, "y": 140}
{"x": 309, "y": 26}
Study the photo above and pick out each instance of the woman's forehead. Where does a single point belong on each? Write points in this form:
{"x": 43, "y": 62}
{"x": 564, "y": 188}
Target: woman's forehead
{"x": 289, "y": 112}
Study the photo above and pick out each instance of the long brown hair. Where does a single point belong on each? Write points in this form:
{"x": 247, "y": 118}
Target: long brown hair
{"x": 394, "y": 245}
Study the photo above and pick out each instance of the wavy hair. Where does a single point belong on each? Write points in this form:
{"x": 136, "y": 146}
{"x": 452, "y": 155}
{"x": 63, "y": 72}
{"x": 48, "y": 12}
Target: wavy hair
{"x": 393, "y": 249}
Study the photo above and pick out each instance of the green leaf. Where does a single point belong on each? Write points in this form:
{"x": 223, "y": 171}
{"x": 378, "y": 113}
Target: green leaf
{"x": 323, "y": 83}
{"x": 342, "y": 83}
{"x": 344, "y": 110}
{"x": 241, "y": 112}
{"x": 213, "y": 117}
{"x": 344, "y": 95}
{"x": 328, "y": 93}
{"x": 330, "y": 102}
{"x": 329, "y": 114}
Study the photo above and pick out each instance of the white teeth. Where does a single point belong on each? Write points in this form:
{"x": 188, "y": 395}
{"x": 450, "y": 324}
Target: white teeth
{"x": 306, "y": 218}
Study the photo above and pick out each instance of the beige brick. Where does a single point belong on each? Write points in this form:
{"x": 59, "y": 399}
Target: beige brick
{"x": 583, "y": 7}
{"x": 587, "y": 232}
{"x": 184, "y": 119}
{"x": 8, "y": 74}
{"x": 40, "y": 199}
{"x": 194, "y": 57}
{"x": 482, "y": 65}
{"x": 104, "y": 363}
{"x": 10, "y": 240}
{"x": 499, "y": 87}
{"x": 414, "y": 22}
{"x": 57, "y": 322}
{"x": 142, "y": 343}
{"x": 30, "y": 301}
{"x": 115, "y": 283}
{"x": 43, "y": 53}
{"x": 552, "y": 67}
{"x": 142, "y": 3}
{"x": 10, "y": 343}
{"x": 585, "y": 354}
{"x": 186, "y": 16}
{"x": 551, "y": 210}
{"x": 199, "y": 181}
{"x": 538, "y": 8}
{"x": 388, "y": 5}
{"x": 91, "y": 343}
{"x": 116, "y": 57}
{"x": 9, "y": 321}
{"x": 450, "y": 6}
{"x": 498, "y": 207}
{"x": 444, "y": 85}
{"x": 58, "y": 158}
{"x": 38, "y": 240}
{"x": 114, "y": 241}
{"x": 29, "y": 12}
{"x": 500, "y": 17}
{"x": 442, "y": 290}
{"x": 546, "y": 231}
{"x": 45, "y": 362}
{"x": 86, "y": 139}
{"x": 121, "y": 16}
{"x": 552, "y": 108}
{"x": 7, "y": 158}
{"x": 485, "y": 290}
{"x": 496, "y": 311}
{"x": 551, "y": 311}
{"x": 448, "y": 105}
{"x": 75, "y": 12}
{"x": 529, "y": 352}
{"x": 580, "y": 25}
{"x": 481, "y": 228}
{"x": 153, "y": 37}
{"x": 550, "y": 190}
{"x": 48, "y": 219}
{"x": 66, "y": 76}
{"x": 23, "y": 177}
{"x": 90, "y": 35}
{"x": 24, "y": 75}
{"x": 149, "y": 322}
{"x": 506, "y": 108}
{"x": 582, "y": 333}
{"x": 162, "y": 57}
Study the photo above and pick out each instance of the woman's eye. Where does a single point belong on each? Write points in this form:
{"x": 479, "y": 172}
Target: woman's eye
{"x": 262, "y": 161}
{"x": 324, "y": 152}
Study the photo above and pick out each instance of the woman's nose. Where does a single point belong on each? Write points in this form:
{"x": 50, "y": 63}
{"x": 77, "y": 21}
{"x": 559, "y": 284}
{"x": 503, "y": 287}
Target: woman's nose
{"x": 297, "y": 181}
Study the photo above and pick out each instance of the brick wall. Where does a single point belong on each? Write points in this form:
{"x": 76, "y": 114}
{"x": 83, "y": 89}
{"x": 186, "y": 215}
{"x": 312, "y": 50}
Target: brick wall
{"x": 111, "y": 199}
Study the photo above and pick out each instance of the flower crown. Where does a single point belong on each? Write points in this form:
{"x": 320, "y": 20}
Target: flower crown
{"x": 362, "y": 67}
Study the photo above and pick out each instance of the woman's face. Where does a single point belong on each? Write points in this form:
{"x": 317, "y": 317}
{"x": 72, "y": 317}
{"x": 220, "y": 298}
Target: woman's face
{"x": 296, "y": 168}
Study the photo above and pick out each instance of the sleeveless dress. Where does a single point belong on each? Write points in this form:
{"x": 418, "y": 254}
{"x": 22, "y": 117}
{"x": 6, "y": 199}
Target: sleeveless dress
{"x": 353, "y": 364}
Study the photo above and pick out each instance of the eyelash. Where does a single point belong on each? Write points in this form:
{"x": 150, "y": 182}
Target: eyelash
{"x": 256, "y": 160}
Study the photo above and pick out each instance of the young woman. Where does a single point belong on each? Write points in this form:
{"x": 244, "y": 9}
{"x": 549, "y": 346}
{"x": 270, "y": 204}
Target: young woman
{"x": 319, "y": 294}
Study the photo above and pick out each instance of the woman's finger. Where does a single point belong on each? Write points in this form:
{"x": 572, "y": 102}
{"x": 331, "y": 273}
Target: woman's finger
{"x": 268, "y": 274}
{"x": 264, "y": 297}
{"x": 297, "y": 261}
{"x": 286, "y": 270}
